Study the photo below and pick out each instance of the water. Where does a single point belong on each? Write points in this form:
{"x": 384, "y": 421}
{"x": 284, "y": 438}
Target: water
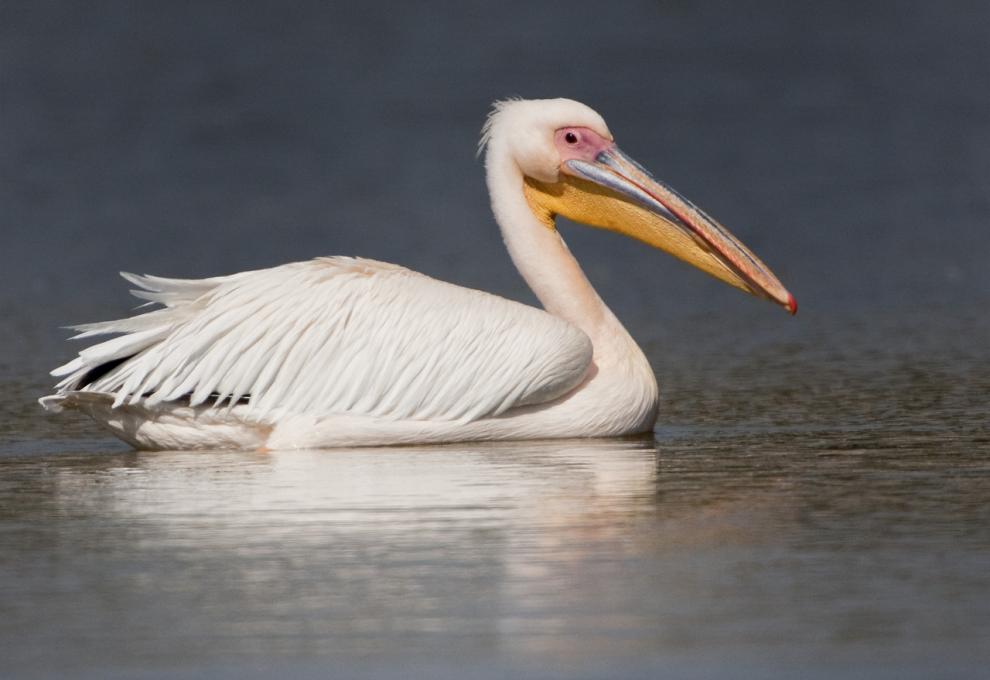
{"x": 793, "y": 549}
{"x": 813, "y": 501}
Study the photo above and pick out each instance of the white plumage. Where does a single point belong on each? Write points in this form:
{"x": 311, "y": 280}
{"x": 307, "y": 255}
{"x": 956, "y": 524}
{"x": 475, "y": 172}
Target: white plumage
{"x": 334, "y": 335}
{"x": 347, "y": 351}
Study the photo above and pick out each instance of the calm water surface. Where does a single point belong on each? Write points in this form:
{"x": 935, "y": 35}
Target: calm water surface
{"x": 815, "y": 501}
{"x": 824, "y": 517}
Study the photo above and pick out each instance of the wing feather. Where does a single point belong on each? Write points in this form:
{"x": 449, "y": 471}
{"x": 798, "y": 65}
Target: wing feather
{"x": 332, "y": 336}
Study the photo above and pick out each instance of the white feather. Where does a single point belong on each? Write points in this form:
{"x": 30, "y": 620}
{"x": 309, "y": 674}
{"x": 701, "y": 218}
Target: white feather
{"x": 336, "y": 336}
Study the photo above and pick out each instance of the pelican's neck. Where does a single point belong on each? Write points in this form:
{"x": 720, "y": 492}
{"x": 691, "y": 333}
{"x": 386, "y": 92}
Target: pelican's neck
{"x": 545, "y": 262}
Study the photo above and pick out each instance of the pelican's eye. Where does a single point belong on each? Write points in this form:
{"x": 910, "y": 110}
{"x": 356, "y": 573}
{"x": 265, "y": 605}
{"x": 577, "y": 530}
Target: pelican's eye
{"x": 571, "y": 138}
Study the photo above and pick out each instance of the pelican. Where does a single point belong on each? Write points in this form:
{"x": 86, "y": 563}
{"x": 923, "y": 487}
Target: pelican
{"x": 344, "y": 351}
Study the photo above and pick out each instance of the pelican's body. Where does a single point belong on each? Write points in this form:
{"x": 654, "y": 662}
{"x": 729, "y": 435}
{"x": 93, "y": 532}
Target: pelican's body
{"x": 344, "y": 351}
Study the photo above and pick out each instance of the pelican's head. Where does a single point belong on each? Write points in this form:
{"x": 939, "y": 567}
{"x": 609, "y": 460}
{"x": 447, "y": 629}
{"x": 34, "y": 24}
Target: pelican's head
{"x": 571, "y": 166}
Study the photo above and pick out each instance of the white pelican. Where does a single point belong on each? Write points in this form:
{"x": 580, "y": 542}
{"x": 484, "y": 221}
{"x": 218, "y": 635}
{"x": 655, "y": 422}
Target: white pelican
{"x": 343, "y": 351}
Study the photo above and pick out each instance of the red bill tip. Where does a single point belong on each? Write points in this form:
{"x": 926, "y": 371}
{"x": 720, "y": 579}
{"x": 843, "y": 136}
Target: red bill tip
{"x": 791, "y": 304}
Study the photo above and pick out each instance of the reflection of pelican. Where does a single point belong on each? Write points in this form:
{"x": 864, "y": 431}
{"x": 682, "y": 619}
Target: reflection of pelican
{"x": 343, "y": 351}
{"x": 370, "y": 490}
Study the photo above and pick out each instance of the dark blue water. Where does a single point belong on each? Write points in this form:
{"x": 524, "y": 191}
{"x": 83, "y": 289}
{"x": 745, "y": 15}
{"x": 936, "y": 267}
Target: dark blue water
{"x": 813, "y": 502}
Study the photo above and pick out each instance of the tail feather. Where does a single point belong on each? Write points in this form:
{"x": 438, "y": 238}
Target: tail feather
{"x": 135, "y": 334}
{"x": 56, "y": 403}
{"x": 131, "y": 324}
{"x": 171, "y": 292}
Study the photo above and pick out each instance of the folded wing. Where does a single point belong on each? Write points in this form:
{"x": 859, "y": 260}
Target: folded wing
{"x": 331, "y": 336}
